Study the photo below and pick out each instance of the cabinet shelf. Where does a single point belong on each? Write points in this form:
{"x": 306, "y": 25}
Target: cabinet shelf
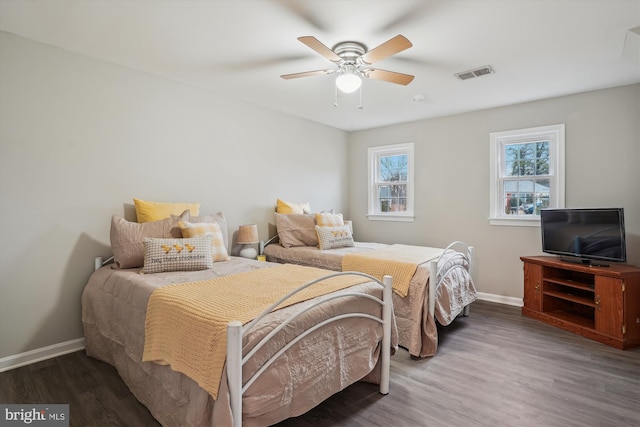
{"x": 570, "y": 297}
{"x": 600, "y": 303}
{"x": 571, "y": 284}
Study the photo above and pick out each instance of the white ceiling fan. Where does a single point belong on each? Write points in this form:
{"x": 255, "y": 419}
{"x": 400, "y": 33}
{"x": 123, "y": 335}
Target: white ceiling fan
{"x": 354, "y": 61}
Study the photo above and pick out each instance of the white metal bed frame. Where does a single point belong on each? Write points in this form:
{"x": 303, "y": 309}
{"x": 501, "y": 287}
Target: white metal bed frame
{"x": 236, "y": 331}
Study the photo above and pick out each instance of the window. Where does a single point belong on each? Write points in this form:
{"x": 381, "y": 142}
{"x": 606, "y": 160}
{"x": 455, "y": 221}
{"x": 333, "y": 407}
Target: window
{"x": 527, "y": 174}
{"x": 391, "y": 182}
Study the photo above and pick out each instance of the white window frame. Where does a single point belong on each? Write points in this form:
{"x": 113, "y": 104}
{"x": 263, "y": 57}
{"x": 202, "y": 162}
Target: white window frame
{"x": 552, "y": 133}
{"x": 374, "y": 153}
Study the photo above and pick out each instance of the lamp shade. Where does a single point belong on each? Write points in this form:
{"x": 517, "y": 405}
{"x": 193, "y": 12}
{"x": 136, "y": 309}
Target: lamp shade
{"x": 248, "y": 234}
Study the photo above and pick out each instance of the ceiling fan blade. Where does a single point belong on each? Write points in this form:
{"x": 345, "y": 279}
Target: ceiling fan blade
{"x": 386, "y": 49}
{"x": 316, "y": 45}
{"x": 389, "y": 76}
{"x": 306, "y": 74}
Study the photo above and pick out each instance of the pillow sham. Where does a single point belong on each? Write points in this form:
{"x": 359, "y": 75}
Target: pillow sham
{"x": 334, "y": 237}
{"x": 162, "y": 255}
{"x": 127, "y": 238}
{"x": 296, "y": 230}
{"x": 195, "y": 229}
{"x": 288, "y": 208}
{"x": 329, "y": 219}
{"x": 147, "y": 211}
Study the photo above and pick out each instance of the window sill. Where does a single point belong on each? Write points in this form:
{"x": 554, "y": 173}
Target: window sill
{"x": 516, "y": 222}
{"x": 401, "y": 218}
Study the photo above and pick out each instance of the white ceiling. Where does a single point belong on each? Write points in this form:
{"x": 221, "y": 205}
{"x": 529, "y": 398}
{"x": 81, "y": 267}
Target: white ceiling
{"x": 538, "y": 48}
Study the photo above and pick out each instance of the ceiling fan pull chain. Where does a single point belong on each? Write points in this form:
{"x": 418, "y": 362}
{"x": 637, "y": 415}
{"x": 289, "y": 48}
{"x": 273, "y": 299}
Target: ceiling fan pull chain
{"x": 335, "y": 104}
{"x": 360, "y": 107}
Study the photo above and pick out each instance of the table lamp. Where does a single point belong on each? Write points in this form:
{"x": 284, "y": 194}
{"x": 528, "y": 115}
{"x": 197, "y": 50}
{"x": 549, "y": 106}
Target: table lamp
{"x": 248, "y": 235}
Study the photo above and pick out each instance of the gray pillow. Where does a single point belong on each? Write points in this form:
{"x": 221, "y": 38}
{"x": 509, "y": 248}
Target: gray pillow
{"x": 127, "y": 238}
{"x": 296, "y": 230}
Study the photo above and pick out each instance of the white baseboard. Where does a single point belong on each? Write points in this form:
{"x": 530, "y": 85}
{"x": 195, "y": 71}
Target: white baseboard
{"x": 501, "y": 299}
{"x": 39, "y": 354}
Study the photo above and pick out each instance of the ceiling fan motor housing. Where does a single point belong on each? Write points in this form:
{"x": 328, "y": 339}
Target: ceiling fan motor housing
{"x": 349, "y": 51}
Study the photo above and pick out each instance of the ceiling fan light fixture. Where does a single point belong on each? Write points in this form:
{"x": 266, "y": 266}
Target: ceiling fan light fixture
{"x": 348, "y": 82}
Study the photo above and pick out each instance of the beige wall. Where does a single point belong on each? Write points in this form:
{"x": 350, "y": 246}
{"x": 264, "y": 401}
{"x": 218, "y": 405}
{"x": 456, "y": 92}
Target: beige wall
{"x": 452, "y": 177}
{"x": 79, "y": 138}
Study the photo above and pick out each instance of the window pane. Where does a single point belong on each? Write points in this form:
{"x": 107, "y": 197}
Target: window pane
{"x": 510, "y": 153}
{"x": 542, "y": 193}
{"x": 512, "y": 169}
{"x": 393, "y": 198}
{"x": 542, "y": 158}
{"x": 393, "y": 168}
{"x": 519, "y": 197}
{"x": 526, "y": 159}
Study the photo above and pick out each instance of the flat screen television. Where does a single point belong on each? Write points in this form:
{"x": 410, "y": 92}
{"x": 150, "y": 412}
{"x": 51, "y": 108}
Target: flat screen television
{"x": 587, "y": 236}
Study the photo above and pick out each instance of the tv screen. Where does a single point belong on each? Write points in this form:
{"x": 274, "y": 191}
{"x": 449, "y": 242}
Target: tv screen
{"x": 584, "y": 234}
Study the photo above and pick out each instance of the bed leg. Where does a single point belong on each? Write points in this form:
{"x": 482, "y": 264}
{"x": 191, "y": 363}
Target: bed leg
{"x": 234, "y": 370}
{"x": 465, "y": 311}
{"x": 385, "y": 352}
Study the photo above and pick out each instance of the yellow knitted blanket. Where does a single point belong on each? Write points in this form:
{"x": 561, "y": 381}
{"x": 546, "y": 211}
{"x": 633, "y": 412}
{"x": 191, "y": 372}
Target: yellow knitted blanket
{"x": 186, "y": 323}
{"x": 398, "y": 261}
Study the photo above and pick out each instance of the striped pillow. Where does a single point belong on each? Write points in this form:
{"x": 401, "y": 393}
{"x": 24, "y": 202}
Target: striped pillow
{"x": 334, "y": 237}
{"x": 161, "y": 255}
{"x": 328, "y": 219}
{"x": 195, "y": 229}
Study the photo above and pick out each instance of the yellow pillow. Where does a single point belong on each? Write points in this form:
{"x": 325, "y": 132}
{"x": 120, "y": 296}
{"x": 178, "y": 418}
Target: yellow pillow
{"x": 153, "y": 211}
{"x": 325, "y": 219}
{"x": 283, "y": 207}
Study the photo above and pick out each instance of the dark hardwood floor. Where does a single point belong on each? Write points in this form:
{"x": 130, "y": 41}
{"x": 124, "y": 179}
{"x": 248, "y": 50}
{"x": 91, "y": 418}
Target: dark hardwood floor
{"x": 494, "y": 368}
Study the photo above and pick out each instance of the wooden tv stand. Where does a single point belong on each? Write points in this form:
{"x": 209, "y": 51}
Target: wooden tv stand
{"x": 601, "y": 303}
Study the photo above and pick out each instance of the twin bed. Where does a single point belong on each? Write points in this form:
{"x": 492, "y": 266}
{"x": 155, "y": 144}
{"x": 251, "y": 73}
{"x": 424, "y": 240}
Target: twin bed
{"x": 417, "y": 311}
{"x": 295, "y": 333}
{"x": 279, "y": 358}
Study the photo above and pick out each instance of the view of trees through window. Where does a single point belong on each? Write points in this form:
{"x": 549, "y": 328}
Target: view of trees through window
{"x": 526, "y": 182}
{"x": 392, "y": 183}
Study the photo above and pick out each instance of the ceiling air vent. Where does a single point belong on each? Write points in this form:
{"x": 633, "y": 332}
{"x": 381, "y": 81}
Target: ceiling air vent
{"x": 477, "y": 72}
